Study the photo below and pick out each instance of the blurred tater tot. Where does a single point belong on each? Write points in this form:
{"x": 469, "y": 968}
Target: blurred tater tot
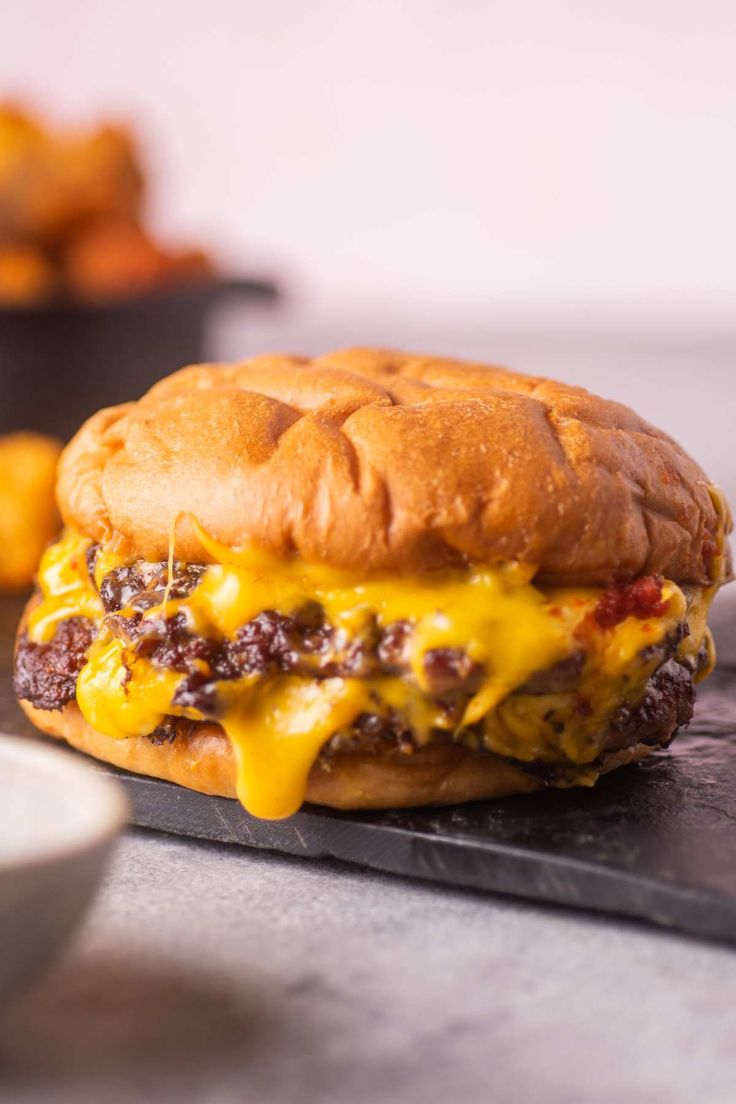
{"x": 20, "y": 138}
{"x": 50, "y": 185}
{"x": 26, "y": 276}
{"x": 24, "y": 161}
{"x": 71, "y": 217}
{"x": 28, "y": 515}
{"x": 119, "y": 259}
{"x": 99, "y": 177}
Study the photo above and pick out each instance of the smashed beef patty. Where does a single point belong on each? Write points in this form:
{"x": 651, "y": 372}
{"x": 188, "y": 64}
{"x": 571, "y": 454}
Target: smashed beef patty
{"x": 46, "y": 676}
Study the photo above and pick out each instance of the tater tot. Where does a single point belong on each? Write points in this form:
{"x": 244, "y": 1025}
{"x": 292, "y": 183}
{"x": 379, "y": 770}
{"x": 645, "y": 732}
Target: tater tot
{"x": 28, "y": 514}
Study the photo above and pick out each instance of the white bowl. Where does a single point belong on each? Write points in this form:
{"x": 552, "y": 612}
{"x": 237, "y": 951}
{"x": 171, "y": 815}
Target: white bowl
{"x": 58, "y": 820}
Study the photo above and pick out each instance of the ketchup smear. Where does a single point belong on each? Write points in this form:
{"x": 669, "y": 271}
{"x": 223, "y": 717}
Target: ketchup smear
{"x": 642, "y": 599}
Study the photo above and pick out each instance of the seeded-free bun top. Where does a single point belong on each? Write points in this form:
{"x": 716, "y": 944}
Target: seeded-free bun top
{"x": 376, "y": 460}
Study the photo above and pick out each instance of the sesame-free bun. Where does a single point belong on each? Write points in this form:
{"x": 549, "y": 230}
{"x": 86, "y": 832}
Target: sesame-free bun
{"x": 375, "y": 460}
{"x": 201, "y": 758}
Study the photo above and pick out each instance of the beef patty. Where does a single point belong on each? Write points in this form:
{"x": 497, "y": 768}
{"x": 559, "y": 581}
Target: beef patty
{"x": 46, "y": 675}
{"x": 305, "y": 643}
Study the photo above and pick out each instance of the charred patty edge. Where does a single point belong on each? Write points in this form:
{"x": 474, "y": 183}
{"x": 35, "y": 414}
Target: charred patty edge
{"x": 46, "y": 674}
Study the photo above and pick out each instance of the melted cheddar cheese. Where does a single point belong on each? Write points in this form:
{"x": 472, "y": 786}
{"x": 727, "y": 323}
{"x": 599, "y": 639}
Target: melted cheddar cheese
{"x": 278, "y": 724}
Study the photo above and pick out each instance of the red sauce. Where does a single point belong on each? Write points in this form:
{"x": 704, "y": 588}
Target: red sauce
{"x": 642, "y": 599}
{"x": 583, "y": 706}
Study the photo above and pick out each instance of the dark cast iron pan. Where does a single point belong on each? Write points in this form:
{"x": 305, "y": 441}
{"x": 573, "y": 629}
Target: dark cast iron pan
{"x": 61, "y": 361}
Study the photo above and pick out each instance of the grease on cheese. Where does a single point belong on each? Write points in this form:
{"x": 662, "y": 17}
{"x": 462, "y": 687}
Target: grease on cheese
{"x": 277, "y": 725}
{"x": 65, "y": 585}
{"x": 278, "y": 731}
{"x": 494, "y": 614}
{"x": 121, "y": 695}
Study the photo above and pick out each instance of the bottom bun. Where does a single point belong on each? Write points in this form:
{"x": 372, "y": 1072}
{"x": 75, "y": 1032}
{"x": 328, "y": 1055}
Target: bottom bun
{"x": 201, "y": 758}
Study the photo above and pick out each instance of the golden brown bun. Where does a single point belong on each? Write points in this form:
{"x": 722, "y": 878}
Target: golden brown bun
{"x": 369, "y": 460}
{"x": 438, "y": 775}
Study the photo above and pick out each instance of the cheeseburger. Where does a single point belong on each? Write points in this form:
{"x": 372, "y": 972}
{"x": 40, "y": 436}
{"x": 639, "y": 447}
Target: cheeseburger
{"x": 372, "y": 580}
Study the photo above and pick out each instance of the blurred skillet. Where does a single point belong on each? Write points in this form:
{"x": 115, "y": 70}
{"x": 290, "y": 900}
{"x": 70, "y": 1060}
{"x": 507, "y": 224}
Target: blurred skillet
{"x": 61, "y": 361}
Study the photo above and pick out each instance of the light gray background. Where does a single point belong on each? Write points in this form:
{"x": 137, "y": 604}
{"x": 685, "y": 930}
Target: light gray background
{"x": 514, "y": 151}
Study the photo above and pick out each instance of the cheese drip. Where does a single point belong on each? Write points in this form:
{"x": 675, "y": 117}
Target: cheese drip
{"x": 278, "y": 724}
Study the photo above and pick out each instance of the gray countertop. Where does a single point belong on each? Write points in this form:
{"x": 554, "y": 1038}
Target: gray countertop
{"x": 209, "y": 973}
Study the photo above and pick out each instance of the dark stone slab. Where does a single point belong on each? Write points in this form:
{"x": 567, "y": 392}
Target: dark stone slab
{"x": 655, "y": 841}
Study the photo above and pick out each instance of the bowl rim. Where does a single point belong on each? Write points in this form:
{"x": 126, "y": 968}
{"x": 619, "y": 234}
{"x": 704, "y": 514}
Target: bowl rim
{"x": 208, "y": 289}
{"x": 112, "y": 807}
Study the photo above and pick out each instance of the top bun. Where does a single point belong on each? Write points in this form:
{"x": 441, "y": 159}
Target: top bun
{"x": 376, "y": 460}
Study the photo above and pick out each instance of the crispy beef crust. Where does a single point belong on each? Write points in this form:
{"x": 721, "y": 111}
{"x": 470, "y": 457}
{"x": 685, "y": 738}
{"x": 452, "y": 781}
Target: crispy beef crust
{"x": 46, "y": 674}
